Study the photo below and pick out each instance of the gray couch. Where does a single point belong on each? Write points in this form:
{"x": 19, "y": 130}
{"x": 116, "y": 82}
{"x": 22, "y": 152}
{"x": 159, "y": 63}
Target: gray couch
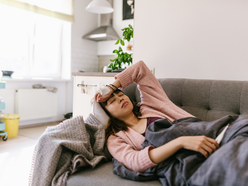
{"x": 205, "y": 99}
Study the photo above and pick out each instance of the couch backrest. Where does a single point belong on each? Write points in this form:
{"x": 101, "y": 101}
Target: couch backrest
{"x": 205, "y": 99}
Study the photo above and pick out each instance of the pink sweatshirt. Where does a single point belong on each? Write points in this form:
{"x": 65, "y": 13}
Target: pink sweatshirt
{"x": 125, "y": 146}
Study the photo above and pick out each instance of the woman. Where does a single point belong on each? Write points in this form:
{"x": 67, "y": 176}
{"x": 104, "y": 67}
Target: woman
{"x": 128, "y": 122}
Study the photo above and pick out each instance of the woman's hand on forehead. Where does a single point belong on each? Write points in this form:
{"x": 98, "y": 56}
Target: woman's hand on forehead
{"x": 100, "y": 98}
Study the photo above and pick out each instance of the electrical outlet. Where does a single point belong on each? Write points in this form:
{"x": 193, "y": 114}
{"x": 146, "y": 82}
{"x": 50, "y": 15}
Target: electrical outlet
{"x": 153, "y": 71}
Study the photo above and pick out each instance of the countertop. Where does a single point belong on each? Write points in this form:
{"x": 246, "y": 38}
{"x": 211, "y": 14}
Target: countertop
{"x": 108, "y": 74}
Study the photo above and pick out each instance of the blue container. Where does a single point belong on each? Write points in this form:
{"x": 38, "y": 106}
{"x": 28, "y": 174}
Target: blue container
{"x": 2, "y": 84}
{"x": 2, "y": 126}
{"x": 2, "y": 132}
{"x": 2, "y": 105}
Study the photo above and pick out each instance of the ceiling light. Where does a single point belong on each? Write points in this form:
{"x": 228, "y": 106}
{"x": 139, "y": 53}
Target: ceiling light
{"x": 100, "y": 7}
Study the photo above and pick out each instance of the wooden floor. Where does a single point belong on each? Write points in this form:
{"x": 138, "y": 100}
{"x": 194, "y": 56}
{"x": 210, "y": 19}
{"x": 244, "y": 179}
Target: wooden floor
{"x": 16, "y": 154}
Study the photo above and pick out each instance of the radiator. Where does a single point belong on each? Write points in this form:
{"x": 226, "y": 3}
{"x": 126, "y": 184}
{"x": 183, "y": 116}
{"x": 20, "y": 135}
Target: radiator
{"x": 33, "y": 104}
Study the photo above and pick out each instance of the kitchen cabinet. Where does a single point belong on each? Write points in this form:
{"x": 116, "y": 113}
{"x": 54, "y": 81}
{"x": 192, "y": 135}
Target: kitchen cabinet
{"x": 83, "y": 90}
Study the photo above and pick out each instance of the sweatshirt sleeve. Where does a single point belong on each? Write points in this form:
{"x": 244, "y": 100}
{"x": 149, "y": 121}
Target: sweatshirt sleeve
{"x": 154, "y": 101}
{"x": 138, "y": 73}
{"x": 150, "y": 89}
{"x": 135, "y": 160}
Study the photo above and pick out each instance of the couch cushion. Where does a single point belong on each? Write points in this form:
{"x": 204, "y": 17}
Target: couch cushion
{"x": 244, "y": 100}
{"x": 208, "y": 99}
{"x": 173, "y": 88}
{"x": 103, "y": 175}
{"x": 130, "y": 91}
{"x": 217, "y": 98}
{"x": 225, "y": 96}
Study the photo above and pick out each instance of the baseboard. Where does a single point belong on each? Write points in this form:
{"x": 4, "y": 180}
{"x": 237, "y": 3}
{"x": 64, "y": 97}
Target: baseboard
{"x": 39, "y": 124}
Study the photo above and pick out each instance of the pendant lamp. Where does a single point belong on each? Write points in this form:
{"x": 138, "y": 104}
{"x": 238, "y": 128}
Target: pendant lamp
{"x": 100, "y": 7}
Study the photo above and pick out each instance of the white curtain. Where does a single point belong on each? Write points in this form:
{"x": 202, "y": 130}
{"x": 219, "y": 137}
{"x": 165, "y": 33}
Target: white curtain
{"x": 60, "y": 9}
{"x": 35, "y": 45}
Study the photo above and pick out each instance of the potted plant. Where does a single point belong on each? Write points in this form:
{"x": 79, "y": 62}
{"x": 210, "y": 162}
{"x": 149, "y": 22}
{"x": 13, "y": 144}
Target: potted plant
{"x": 123, "y": 59}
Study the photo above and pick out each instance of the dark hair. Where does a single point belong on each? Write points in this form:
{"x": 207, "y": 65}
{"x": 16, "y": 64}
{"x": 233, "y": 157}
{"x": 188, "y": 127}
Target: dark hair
{"x": 115, "y": 125}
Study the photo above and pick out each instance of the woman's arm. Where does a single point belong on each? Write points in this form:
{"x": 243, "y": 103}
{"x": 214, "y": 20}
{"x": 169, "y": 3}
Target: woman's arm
{"x": 140, "y": 74}
{"x": 148, "y": 85}
{"x": 135, "y": 160}
{"x": 141, "y": 160}
{"x": 202, "y": 144}
{"x": 154, "y": 100}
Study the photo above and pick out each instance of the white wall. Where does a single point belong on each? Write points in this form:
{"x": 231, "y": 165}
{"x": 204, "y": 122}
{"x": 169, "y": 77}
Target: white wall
{"x": 193, "y": 39}
{"x": 84, "y": 52}
{"x": 118, "y": 23}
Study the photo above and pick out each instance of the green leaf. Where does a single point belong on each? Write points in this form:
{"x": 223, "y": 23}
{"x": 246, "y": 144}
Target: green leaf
{"x": 110, "y": 65}
{"x": 117, "y": 42}
{"x": 122, "y": 43}
{"x": 122, "y": 57}
{"x": 115, "y": 51}
{"x": 128, "y": 38}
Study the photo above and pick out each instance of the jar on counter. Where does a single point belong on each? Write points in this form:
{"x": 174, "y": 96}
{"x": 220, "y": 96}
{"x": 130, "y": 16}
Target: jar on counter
{"x": 106, "y": 69}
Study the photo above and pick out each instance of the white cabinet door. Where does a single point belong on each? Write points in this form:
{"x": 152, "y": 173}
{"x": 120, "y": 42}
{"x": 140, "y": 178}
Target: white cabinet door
{"x": 82, "y": 95}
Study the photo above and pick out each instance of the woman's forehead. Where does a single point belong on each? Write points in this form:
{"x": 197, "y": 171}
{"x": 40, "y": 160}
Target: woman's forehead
{"x": 112, "y": 95}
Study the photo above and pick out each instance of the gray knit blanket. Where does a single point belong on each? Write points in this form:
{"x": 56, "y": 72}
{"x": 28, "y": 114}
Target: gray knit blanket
{"x": 62, "y": 150}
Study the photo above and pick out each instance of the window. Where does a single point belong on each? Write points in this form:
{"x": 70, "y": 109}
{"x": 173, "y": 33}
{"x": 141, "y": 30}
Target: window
{"x": 33, "y": 45}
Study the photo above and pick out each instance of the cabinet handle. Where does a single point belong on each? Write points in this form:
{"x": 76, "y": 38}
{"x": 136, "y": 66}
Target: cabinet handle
{"x": 84, "y": 87}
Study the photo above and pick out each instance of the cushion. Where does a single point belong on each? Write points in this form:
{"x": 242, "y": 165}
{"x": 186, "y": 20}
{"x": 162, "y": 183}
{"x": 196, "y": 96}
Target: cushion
{"x": 97, "y": 110}
{"x": 99, "y": 113}
{"x": 103, "y": 175}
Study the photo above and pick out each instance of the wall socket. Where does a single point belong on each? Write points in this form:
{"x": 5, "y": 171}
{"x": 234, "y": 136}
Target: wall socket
{"x": 153, "y": 71}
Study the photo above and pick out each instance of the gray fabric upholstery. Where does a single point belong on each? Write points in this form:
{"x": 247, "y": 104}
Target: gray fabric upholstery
{"x": 205, "y": 99}
{"x": 103, "y": 175}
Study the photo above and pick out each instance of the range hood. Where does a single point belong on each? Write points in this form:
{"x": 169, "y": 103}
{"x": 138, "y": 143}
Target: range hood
{"x": 104, "y": 32}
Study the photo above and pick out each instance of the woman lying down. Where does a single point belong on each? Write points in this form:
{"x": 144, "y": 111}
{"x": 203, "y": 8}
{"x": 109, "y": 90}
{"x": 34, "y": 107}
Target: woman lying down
{"x": 156, "y": 139}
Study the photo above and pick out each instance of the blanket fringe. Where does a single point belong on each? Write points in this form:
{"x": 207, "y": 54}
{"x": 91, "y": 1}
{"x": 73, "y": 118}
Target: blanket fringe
{"x": 64, "y": 178}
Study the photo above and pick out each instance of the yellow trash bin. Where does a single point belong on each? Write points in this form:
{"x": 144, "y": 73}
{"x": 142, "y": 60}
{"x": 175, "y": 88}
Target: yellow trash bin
{"x": 11, "y": 124}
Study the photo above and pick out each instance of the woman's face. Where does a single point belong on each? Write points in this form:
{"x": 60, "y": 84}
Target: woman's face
{"x": 119, "y": 105}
